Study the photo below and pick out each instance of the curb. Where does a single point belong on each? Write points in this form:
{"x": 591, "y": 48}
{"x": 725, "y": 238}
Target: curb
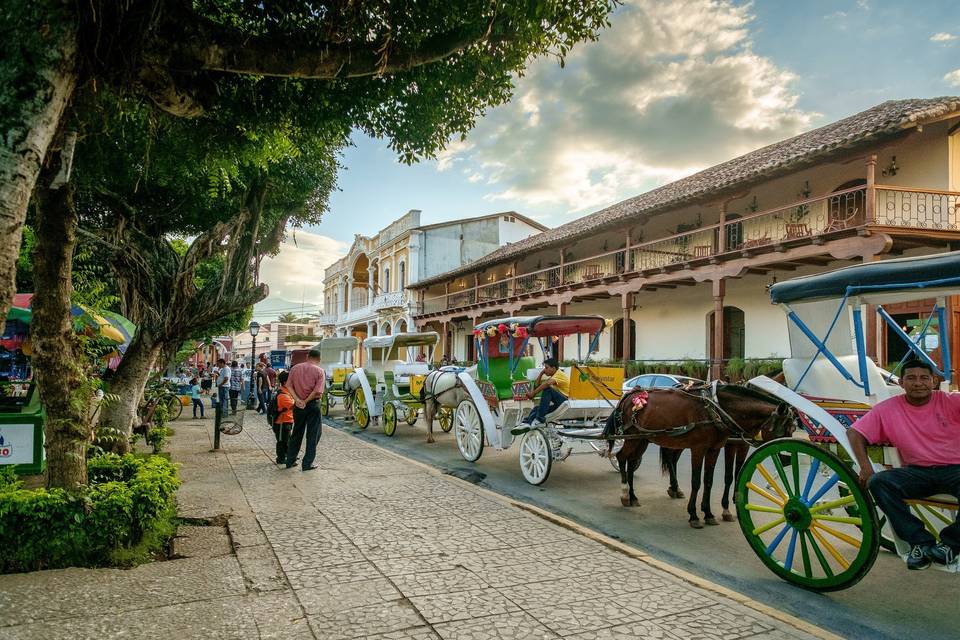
{"x": 616, "y": 545}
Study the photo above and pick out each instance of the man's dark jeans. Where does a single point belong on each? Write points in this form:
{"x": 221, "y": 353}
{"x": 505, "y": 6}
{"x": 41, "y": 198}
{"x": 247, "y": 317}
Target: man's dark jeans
{"x": 306, "y": 421}
{"x": 891, "y": 488}
{"x": 550, "y": 399}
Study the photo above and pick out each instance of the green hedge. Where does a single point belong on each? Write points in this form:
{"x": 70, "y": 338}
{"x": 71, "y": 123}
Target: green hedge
{"x": 124, "y": 516}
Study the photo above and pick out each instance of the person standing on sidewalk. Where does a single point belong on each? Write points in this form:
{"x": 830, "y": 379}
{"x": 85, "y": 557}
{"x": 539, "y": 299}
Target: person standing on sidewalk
{"x": 223, "y": 384}
{"x": 262, "y": 389}
{"x": 195, "y": 392}
{"x": 283, "y": 421}
{"x": 236, "y": 383}
{"x": 305, "y": 385}
{"x": 924, "y": 426}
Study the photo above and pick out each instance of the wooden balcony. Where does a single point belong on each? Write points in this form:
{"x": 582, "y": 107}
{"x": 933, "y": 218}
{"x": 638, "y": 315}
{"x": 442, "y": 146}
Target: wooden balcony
{"x": 922, "y": 214}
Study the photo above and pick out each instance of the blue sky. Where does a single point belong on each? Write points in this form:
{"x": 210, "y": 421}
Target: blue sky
{"x": 672, "y": 87}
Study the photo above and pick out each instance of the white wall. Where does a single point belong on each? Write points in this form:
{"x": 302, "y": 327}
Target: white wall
{"x": 514, "y": 231}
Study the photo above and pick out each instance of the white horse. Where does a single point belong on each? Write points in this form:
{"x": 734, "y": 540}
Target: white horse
{"x": 442, "y": 389}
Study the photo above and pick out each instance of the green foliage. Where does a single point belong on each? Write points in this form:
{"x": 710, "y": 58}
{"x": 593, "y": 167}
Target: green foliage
{"x": 123, "y": 516}
{"x": 24, "y": 264}
{"x": 9, "y": 479}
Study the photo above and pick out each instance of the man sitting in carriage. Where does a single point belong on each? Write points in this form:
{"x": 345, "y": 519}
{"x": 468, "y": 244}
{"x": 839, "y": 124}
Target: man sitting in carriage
{"x": 924, "y": 426}
{"x": 553, "y": 385}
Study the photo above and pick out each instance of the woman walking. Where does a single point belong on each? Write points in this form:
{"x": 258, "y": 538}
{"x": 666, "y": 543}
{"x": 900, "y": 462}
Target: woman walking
{"x": 195, "y": 392}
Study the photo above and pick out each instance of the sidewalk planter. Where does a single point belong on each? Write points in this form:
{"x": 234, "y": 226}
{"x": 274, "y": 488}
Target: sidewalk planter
{"x": 124, "y": 515}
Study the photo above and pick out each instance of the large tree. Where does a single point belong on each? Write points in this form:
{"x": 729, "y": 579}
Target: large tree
{"x": 417, "y": 71}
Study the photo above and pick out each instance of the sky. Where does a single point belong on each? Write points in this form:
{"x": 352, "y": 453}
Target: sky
{"x": 672, "y": 87}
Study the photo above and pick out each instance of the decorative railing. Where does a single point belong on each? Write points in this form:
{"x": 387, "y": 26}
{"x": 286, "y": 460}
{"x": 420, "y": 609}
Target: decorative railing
{"x": 327, "y": 319}
{"x": 801, "y": 222}
{"x": 390, "y": 300}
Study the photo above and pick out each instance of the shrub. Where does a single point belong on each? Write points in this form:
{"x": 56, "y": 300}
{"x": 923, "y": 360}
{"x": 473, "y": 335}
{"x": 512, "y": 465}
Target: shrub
{"x": 122, "y": 517}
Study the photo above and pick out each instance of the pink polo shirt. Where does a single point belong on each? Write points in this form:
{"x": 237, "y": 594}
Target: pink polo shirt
{"x": 305, "y": 378}
{"x": 925, "y": 436}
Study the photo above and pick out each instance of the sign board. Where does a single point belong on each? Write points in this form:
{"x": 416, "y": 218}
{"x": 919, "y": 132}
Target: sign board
{"x": 416, "y": 384}
{"x": 16, "y": 443}
{"x": 278, "y": 359}
{"x": 594, "y": 383}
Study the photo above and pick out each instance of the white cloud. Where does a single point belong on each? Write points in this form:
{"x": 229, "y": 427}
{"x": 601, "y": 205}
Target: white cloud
{"x": 953, "y": 78}
{"x": 672, "y": 87}
{"x": 296, "y": 272}
{"x": 942, "y": 37}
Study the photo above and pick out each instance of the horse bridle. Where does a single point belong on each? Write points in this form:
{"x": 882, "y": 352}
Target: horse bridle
{"x": 712, "y": 404}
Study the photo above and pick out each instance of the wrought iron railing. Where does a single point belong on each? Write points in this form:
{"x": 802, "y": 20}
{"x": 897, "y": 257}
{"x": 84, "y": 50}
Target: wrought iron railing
{"x": 390, "y": 300}
{"x": 804, "y": 221}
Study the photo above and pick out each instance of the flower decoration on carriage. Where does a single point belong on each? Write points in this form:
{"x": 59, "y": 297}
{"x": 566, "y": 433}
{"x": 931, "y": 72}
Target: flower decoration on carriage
{"x": 640, "y": 399}
{"x": 501, "y": 328}
{"x": 608, "y": 323}
{"x": 491, "y": 331}
{"x": 554, "y": 339}
{"x": 477, "y": 333}
{"x": 520, "y": 332}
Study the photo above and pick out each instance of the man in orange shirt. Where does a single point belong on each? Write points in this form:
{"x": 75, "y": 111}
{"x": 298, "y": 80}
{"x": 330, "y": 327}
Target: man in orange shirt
{"x": 283, "y": 421}
{"x": 305, "y": 385}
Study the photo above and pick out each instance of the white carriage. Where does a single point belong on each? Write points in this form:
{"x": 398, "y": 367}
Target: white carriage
{"x": 389, "y": 383}
{"x": 798, "y": 499}
{"x": 336, "y": 358}
{"x": 496, "y": 399}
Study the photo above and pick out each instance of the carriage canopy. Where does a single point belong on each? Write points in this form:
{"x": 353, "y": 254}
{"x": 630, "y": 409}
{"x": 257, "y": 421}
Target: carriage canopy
{"x": 547, "y": 326}
{"x": 332, "y": 348}
{"x": 388, "y": 347}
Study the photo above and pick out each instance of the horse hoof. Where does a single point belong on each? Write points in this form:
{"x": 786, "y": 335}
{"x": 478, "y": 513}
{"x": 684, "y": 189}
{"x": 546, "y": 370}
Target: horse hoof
{"x": 711, "y": 521}
{"x": 676, "y": 494}
{"x": 625, "y": 502}
{"x": 430, "y": 440}
{"x": 696, "y": 524}
{"x": 634, "y": 503}
{"x": 728, "y": 517}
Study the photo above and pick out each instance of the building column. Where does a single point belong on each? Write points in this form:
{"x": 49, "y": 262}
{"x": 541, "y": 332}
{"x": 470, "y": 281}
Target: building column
{"x": 349, "y": 293}
{"x": 370, "y": 292}
{"x": 444, "y": 340}
{"x": 341, "y": 287}
{"x": 716, "y": 358}
{"x": 626, "y": 299}
{"x": 561, "y": 310}
{"x": 871, "y": 194}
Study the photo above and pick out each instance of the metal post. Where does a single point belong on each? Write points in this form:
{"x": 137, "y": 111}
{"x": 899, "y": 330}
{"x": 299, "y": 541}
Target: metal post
{"x": 217, "y": 418}
{"x": 253, "y": 382}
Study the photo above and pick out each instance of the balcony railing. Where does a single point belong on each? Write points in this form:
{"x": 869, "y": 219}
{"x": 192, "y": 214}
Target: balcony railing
{"x": 802, "y": 222}
{"x": 328, "y": 319}
{"x": 391, "y": 300}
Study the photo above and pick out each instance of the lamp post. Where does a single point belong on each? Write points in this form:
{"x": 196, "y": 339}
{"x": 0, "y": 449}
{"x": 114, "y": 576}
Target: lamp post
{"x": 254, "y": 330}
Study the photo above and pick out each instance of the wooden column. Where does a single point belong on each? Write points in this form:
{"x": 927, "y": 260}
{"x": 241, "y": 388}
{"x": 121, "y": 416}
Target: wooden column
{"x": 627, "y": 299}
{"x": 445, "y": 341}
{"x": 871, "y": 194}
{"x": 722, "y": 230}
{"x": 561, "y": 310}
{"x": 716, "y": 358}
{"x": 446, "y": 296}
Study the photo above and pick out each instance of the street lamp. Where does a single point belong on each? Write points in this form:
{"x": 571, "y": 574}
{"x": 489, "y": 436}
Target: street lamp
{"x": 254, "y": 330}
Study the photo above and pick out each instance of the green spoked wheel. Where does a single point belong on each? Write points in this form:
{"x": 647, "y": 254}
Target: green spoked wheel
{"x": 325, "y": 404}
{"x": 360, "y": 412}
{"x": 389, "y": 418}
{"x": 412, "y": 415}
{"x": 445, "y": 418}
{"x": 797, "y": 521}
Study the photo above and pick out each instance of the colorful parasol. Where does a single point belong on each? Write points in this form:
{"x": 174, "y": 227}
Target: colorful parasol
{"x": 107, "y": 324}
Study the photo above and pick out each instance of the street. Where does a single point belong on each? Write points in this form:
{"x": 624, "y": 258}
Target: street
{"x": 889, "y": 603}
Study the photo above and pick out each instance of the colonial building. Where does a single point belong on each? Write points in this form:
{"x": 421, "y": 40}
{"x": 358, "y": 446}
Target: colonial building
{"x": 365, "y": 292}
{"x": 270, "y": 336}
{"x": 683, "y": 269}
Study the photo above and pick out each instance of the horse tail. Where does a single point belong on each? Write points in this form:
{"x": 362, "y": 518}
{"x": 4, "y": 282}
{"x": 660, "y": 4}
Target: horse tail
{"x": 668, "y": 458}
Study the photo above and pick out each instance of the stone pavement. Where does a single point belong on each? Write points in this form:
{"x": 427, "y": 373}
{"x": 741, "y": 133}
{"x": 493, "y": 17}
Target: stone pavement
{"x": 374, "y": 546}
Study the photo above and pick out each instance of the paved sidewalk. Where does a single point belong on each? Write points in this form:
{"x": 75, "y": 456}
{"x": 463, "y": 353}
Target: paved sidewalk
{"x": 371, "y": 545}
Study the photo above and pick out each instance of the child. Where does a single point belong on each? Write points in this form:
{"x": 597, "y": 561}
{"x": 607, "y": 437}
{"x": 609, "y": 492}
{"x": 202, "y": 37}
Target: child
{"x": 195, "y": 397}
{"x": 282, "y": 422}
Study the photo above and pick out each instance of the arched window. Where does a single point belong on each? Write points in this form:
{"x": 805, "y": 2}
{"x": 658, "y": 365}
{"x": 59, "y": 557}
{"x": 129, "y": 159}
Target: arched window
{"x": 402, "y": 281}
{"x": 386, "y": 279}
{"x": 734, "y": 333}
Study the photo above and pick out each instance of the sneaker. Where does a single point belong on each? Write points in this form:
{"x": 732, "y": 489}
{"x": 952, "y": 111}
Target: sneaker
{"x": 918, "y": 558}
{"x": 521, "y": 429}
{"x": 941, "y": 553}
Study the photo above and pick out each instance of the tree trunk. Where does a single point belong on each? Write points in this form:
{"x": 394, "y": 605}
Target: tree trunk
{"x": 38, "y": 73}
{"x": 117, "y": 418}
{"x": 56, "y": 354}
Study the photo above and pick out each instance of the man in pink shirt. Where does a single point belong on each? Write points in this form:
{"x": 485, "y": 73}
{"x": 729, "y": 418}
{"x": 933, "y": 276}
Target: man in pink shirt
{"x": 924, "y": 426}
{"x": 306, "y": 384}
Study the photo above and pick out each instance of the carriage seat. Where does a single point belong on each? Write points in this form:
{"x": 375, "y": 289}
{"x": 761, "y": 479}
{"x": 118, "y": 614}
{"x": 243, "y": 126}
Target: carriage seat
{"x": 403, "y": 370}
{"x": 945, "y": 498}
{"x": 581, "y": 410}
{"x": 500, "y": 376}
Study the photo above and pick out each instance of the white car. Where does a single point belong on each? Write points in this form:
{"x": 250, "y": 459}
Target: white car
{"x": 658, "y": 381}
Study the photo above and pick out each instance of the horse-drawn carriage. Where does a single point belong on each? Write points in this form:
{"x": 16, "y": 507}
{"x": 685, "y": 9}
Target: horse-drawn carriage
{"x": 389, "y": 385}
{"x": 336, "y": 355}
{"x": 489, "y": 400}
{"x": 798, "y": 499}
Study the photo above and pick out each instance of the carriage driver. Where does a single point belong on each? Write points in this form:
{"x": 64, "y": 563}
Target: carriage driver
{"x": 554, "y": 387}
{"x": 924, "y": 426}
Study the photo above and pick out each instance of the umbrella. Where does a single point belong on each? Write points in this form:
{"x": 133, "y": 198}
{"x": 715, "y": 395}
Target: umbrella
{"x": 107, "y": 324}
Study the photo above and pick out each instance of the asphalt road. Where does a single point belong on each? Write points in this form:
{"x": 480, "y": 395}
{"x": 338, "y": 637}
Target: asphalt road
{"x": 889, "y": 603}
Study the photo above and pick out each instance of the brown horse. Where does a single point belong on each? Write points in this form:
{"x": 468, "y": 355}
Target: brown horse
{"x": 700, "y": 420}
